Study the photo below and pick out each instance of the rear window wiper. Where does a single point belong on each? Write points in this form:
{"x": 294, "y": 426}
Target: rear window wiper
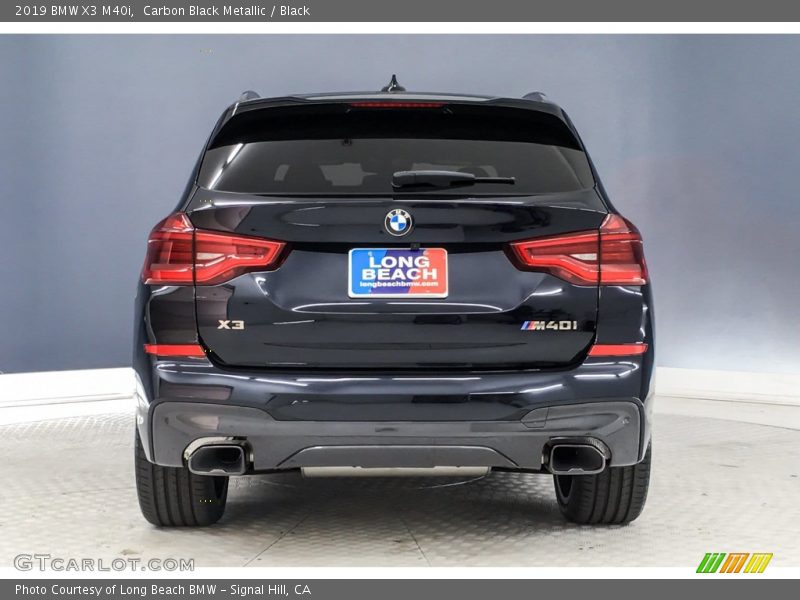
{"x": 442, "y": 179}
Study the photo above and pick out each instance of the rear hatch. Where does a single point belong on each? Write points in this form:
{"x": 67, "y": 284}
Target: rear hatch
{"x": 369, "y": 276}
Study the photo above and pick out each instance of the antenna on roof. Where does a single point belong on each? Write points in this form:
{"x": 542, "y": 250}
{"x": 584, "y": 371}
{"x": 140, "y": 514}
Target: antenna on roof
{"x": 393, "y": 86}
{"x": 248, "y": 95}
{"x": 536, "y": 97}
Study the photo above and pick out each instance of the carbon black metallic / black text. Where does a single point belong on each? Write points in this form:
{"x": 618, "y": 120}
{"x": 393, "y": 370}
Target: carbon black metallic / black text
{"x": 254, "y": 10}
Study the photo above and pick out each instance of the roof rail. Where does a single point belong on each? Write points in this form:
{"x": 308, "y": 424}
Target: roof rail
{"x": 536, "y": 97}
{"x": 248, "y": 95}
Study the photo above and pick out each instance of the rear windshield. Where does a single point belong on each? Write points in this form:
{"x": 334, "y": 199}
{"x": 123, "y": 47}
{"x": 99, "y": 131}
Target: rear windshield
{"x": 342, "y": 150}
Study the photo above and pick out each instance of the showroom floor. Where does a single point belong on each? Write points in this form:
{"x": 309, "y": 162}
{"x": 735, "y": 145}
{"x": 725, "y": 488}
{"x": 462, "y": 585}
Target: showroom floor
{"x": 718, "y": 485}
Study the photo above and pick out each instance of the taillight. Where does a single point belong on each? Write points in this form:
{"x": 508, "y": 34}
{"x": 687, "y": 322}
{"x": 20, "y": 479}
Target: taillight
{"x": 572, "y": 257}
{"x": 169, "y": 258}
{"x": 179, "y": 254}
{"x": 611, "y": 256}
{"x": 220, "y": 257}
{"x": 621, "y": 254}
{"x": 372, "y": 104}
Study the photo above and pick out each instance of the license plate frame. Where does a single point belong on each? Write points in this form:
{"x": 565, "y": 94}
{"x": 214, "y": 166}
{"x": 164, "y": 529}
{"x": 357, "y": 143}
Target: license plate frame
{"x": 424, "y": 286}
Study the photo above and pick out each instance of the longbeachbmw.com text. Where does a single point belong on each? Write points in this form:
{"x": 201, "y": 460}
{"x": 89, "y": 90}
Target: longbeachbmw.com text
{"x": 161, "y": 11}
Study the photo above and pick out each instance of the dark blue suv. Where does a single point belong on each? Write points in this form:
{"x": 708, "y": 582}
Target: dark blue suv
{"x": 427, "y": 283}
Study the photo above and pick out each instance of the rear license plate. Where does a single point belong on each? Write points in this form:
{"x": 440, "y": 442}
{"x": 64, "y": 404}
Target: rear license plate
{"x": 397, "y": 273}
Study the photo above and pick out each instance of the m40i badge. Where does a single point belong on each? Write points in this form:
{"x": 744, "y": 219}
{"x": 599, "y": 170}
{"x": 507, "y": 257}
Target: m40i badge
{"x": 549, "y": 326}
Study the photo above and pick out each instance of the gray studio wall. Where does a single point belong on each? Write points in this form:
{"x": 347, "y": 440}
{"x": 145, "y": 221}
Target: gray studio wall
{"x": 696, "y": 139}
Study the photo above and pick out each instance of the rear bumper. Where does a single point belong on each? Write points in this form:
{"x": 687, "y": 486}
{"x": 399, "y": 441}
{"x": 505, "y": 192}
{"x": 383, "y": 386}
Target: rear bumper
{"x": 272, "y": 444}
{"x": 459, "y": 419}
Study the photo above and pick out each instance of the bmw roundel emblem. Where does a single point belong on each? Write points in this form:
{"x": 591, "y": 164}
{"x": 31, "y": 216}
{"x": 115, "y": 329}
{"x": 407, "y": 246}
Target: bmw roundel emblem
{"x": 398, "y": 222}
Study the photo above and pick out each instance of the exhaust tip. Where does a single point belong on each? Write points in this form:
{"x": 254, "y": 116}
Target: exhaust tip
{"x": 576, "y": 459}
{"x": 218, "y": 459}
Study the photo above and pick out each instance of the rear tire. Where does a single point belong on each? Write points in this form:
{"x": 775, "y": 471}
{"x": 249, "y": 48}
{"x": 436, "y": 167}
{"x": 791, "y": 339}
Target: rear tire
{"x": 614, "y": 497}
{"x": 176, "y": 497}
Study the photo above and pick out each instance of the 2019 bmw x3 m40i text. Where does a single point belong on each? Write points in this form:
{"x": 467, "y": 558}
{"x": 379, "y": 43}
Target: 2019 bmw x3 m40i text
{"x": 430, "y": 283}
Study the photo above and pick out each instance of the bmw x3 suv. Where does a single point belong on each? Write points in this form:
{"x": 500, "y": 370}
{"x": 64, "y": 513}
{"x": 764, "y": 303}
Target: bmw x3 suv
{"x": 417, "y": 282}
